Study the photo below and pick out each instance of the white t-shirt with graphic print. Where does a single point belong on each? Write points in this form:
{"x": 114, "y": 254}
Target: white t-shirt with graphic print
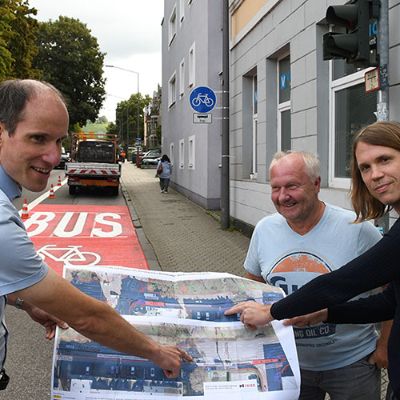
{"x": 289, "y": 260}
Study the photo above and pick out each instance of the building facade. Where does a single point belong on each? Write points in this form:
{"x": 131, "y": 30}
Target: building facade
{"x": 192, "y": 57}
{"x": 284, "y": 96}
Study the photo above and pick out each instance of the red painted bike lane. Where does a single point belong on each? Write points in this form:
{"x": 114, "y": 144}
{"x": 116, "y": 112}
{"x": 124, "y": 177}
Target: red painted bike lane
{"x": 85, "y": 235}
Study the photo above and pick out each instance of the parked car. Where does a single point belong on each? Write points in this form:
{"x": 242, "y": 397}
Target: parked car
{"x": 64, "y": 159}
{"x": 151, "y": 158}
{"x": 133, "y": 154}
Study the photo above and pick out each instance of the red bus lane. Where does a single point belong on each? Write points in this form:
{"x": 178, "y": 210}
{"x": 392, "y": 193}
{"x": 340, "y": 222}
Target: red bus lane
{"x": 84, "y": 235}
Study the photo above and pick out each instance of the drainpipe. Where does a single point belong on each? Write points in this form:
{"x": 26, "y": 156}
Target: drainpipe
{"x": 225, "y": 187}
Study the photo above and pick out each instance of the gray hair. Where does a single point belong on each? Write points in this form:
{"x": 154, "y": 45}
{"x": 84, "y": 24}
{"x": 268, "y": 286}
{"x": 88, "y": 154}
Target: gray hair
{"x": 311, "y": 161}
{"x": 14, "y": 94}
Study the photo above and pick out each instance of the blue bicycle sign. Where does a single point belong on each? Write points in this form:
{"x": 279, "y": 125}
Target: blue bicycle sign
{"x": 202, "y": 99}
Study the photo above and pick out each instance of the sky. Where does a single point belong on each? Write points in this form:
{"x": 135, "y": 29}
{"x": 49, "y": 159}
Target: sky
{"x": 128, "y": 31}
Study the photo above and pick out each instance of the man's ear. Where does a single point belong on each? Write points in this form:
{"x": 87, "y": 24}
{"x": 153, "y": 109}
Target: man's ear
{"x": 317, "y": 184}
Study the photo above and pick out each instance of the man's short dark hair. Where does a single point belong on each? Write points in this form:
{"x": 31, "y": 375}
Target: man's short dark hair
{"x": 14, "y": 94}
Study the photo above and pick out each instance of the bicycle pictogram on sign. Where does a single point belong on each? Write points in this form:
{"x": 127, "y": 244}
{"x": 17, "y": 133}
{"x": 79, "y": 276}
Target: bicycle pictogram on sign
{"x": 202, "y": 99}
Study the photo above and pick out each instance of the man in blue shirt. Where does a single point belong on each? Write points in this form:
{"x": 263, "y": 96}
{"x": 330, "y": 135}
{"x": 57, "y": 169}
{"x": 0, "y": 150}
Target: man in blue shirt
{"x": 33, "y": 122}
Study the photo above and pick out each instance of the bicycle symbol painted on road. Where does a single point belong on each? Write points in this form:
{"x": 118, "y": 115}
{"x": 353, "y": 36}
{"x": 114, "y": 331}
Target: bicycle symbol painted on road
{"x": 69, "y": 255}
{"x": 202, "y": 99}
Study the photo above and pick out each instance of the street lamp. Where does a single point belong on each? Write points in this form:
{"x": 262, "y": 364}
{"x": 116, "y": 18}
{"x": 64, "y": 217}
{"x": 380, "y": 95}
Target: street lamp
{"x": 138, "y": 114}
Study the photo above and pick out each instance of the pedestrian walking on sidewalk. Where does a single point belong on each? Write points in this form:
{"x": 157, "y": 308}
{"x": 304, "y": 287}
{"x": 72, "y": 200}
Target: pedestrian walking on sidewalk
{"x": 375, "y": 190}
{"x": 33, "y": 122}
{"x": 164, "y": 172}
{"x": 292, "y": 246}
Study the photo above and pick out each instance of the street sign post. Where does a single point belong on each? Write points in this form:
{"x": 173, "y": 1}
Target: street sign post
{"x": 202, "y": 99}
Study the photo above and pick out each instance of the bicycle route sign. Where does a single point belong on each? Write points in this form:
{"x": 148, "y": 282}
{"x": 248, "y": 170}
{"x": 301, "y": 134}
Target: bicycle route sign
{"x": 202, "y": 99}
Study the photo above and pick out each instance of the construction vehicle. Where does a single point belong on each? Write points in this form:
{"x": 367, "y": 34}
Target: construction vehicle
{"x": 94, "y": 162}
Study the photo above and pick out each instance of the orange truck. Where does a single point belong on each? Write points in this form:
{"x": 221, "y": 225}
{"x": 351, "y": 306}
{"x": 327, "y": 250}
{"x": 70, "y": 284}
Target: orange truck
{"x": 94, "y": 162}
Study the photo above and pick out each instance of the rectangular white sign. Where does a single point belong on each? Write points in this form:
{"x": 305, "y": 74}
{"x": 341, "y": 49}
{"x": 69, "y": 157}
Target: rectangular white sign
{"x": 202, "y": 118}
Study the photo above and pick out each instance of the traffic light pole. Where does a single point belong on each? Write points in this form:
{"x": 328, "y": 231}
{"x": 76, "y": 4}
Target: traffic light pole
{"x": 382, "y": 107}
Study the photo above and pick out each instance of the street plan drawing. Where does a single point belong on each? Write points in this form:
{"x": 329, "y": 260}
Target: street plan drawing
{"x": 183, "y": 309}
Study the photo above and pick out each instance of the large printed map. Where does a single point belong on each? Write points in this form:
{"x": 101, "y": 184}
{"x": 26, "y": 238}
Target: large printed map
{"x": 187, "y": 310}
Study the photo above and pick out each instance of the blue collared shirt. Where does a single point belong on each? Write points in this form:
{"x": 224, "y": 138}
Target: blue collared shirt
{"x": 11, "y": 188}
{"x": 20, "y": 265}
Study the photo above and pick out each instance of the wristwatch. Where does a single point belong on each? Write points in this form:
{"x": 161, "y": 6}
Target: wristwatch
{"x": 19, "y": 303}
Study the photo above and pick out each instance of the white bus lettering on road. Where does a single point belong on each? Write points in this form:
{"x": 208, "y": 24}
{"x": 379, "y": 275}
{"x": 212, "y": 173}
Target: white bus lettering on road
{"x": 73, "y": 224}
{"x": 41, "y": 221}
{"x": 60, "y": 229}
{"x": 100, "y": 219}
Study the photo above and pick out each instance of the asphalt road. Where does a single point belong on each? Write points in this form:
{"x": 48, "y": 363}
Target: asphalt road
{"x": 29, "y": 354}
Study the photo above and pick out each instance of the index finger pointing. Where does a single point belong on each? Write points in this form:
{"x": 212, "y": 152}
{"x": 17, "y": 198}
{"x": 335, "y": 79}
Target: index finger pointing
{"x": 238, "y": 308}
{"x": 185, "y": 356}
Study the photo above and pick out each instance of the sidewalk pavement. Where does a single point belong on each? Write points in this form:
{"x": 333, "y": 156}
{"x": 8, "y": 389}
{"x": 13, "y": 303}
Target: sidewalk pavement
{"x": 179, "y": 236}
{"x": 184, "y": 236}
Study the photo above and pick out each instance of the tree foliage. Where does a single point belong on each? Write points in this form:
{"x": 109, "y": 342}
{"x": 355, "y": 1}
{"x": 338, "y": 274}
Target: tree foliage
{"x": 17, "y": 39}
{"x": 69, "y": 58}
{"x": 129, "y": 119}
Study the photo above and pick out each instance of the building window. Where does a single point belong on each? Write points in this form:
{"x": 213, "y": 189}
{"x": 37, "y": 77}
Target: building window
{"x": 284, "y": 125}
{"x": 191, "y": 161}
{"x": 172, "y": 26}
{"x": 253, "y": 173}
{"x": 181, "y": 153}
{"x": 192, "y": 65}
{"x": 171, "y": 153}
{"x": 351, "y": 109}
{"x": 181, "y": 10}
{"x": 250, "y": 124}
{"x": 182, "y": 78}
{"x": 172, "y": 90}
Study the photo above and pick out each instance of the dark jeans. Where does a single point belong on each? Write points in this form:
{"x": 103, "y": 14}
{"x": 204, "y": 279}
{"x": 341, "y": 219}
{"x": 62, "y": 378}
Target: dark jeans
{"x": 164, "y": 183}
{"x": 358, "y": 381}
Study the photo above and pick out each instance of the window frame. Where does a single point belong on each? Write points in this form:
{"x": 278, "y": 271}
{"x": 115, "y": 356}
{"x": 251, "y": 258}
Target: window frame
{"x": 172, "y": 26}
{"x": 192, "y": 66}
{"x": 337, "y": 85}
{"x": 254, "y": 88}
{"x": 284, "y": 106}
{"x": 182, "y": 78}
{"x": 172, "y": 90}
{"x": 181, "y": 11}
{"x": 191, "y": 152}
{"x": 182, "y": 154}
{"x": 171, "y": 153}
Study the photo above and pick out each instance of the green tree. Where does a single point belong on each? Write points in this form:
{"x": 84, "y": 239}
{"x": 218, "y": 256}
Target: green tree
{"x": 70, "y": 59}
{"x": 17, "y": 39}
{"x": 22, "y": 44}
{"x": 129, "y": 121}
{"x": 112, "y": 128}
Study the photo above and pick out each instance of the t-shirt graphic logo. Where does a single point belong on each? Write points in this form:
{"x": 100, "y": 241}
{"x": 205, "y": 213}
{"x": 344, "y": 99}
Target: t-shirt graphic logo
{"x": 296, "y": 269}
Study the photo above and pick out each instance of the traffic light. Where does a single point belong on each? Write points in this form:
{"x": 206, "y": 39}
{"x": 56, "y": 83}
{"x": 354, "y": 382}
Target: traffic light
{"x": 354, "y": 45}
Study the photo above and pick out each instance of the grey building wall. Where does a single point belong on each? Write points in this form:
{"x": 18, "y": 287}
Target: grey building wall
{"x": 200, "y": 26}
{"x": 295, "y": 28}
